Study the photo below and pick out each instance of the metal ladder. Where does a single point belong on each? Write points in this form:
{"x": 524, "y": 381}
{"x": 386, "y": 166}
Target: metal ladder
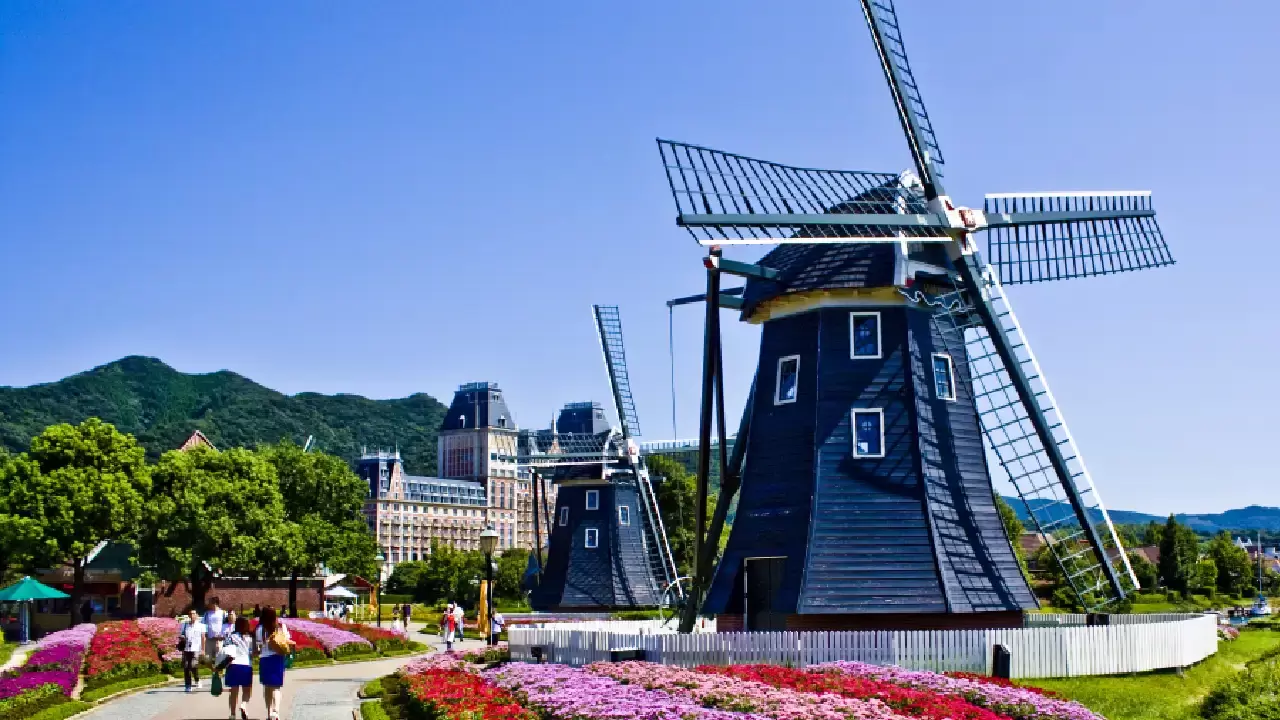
{"x": 1012, "y": 437}
{"x": 662, "y": 561}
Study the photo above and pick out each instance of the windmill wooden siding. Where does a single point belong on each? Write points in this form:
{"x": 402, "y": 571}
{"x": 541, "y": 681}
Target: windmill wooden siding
{"x": 912, "y": 538}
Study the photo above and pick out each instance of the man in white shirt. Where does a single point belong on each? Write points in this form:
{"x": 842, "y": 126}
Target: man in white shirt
{"x": 215, "y": 622}
{"x": 192, "y": 635}
{"x": 459, "y": 617}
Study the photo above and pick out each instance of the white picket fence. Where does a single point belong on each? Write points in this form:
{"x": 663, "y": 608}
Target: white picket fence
{"x": 1068, "y": 650}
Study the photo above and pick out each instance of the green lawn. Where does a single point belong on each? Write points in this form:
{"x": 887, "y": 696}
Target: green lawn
{"x": 1163, "y": 695}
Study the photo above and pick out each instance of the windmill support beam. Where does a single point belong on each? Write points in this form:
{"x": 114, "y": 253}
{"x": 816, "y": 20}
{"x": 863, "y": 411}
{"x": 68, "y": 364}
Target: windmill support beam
{"x": 1022, "y": 385}
{"x": 741, "y": 269}
{"x": 710, "y": 355}
{"x": 730, "y": 483}
{"x": 729, "y": 299}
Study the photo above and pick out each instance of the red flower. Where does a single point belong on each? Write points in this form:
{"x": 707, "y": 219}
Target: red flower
{"x": 460, "y": 695}
{"x": 907, "y": 701}
{"x": 116, "y": 644}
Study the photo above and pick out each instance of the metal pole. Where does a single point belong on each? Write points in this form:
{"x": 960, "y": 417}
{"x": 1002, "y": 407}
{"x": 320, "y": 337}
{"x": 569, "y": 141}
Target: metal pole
{"x": 488, "y": 632}
{"x": 709, "y": 371}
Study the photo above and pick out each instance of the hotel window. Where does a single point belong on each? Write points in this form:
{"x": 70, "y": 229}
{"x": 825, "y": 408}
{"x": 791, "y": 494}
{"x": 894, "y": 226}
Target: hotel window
{"x": 592, "y": 538}
{"x": 788, "y": 384}
{"x": 593, "y": 499}
{"x": 564, "y": 516}
{"x": 864, "y": 330}
{"x": 624, "y": 515}
{"x": 868, "y": 433}
{"x": 944, "y": 377}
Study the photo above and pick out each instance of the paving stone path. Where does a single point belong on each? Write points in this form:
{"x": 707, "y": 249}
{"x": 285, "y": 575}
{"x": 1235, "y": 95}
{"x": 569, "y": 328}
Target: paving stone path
{"x": 327, "y": 692}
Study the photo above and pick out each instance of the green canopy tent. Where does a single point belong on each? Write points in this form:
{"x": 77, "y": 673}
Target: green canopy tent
{"x": 24, "y": 591}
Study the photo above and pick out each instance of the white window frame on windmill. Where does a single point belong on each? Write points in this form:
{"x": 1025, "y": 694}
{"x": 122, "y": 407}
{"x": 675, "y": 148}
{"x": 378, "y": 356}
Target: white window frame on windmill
{"x": 564, "y": 515}
{"x": 591, "y": 538}
{"x": 778, "y": 399}
{"x": 951, "y": 377}
{"x": 853, "y": 432}
{"x": 593, "y": 500}
{"x": 879, "y": 336}
{"x": 624, "y": 515}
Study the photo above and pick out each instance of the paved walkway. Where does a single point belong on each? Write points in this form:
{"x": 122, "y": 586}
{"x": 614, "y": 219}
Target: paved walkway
{"x": 327, "y": 692}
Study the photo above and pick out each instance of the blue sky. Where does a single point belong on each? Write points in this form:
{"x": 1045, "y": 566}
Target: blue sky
{"x": 384, "y": 200}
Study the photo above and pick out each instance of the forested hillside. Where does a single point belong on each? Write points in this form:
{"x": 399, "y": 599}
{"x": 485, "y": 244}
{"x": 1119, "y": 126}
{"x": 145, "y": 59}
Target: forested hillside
{"x": 162, "y": 406}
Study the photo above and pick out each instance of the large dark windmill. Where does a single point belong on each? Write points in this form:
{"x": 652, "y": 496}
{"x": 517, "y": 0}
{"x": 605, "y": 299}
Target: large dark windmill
{"x": 607, "y": 548}
{"x": 889, "y": 352}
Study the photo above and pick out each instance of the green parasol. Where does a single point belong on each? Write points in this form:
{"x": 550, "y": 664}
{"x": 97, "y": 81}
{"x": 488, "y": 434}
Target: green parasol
{"x": 30, "y": 589}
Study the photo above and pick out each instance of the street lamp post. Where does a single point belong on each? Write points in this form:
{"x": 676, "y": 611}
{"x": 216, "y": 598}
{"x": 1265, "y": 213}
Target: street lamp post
{"x": 488, "y": 541}
{"x": 377, "y": 589}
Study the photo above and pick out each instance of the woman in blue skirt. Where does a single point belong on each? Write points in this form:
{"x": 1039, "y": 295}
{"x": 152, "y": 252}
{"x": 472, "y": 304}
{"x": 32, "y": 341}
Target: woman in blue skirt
{"x": 271, "y": 660}
{"x": 239, "y": 645}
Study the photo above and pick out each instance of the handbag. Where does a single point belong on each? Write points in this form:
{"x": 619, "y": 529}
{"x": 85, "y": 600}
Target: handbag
{"x": 215, "y": 685}
{"x": 279, "y": 642}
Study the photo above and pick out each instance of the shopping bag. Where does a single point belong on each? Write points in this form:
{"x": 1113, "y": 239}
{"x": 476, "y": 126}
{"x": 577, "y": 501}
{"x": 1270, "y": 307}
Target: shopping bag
{"x": 215, "y": 686}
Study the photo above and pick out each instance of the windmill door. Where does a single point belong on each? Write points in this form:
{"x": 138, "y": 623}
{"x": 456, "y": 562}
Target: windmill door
{"x": 763, "y": 578}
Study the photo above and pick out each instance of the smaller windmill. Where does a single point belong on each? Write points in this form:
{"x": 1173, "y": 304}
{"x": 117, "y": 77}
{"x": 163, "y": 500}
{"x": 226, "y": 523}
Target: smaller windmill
{"x": 607, "y": 548}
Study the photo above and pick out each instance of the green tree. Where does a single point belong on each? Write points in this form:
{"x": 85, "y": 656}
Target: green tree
{"x": 1014, "y": 529}
{"x": 511, "y": 566}
{"x": 449, "y": 574}
{"x": 1152, "y": 533}
{"x": 405, "y": 576}
{"x": 677, "y": 492}
{"x": 214, "y": 513}
{"x": 1204, "y": 576}
{"x": 1145, "y": 571}
{"x": 323, "y": 499}
{"x": 81, "y": 485}
{"x": 1236, "y": 574}
{"x": 1179, "y": 552}
{"x": 19, "y": 536}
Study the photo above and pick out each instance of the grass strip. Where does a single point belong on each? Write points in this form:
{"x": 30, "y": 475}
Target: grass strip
{"x": 372, "y": 710}
{"x": 98, "y": 694}
{"x": 1164, "y": 695}
{"x": 372, "y": 689}
{"x": 63, "y": 711}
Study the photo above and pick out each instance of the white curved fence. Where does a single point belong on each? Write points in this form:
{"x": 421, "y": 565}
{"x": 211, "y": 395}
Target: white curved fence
{"x": 1068, "y": 649}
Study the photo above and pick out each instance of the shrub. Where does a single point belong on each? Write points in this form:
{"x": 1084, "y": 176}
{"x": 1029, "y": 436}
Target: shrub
{"x": 31, "y": 702}
{"x": 448, "y": 694}
{"x": 372, "y": 710}
{"x": 62, "y": 711}
{"x": 119, "y": 651}
{"x": 1251, "y": 695}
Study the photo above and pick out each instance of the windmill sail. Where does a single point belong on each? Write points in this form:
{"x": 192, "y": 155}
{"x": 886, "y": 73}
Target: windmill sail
{"x": 882, "y": 19}
{"x": 1035, "y": 237}
{"x": 656, "y": 548}
{"x": 1067, "y": 511}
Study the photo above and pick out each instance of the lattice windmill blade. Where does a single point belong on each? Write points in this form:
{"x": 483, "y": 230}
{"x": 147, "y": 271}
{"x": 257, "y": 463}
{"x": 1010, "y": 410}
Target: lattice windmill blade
{"x": 609, "y": 327}
{"x": 886, "y": 34}
{"x": 1034, "y": 446}
{"x": 727, "y": 199}
{"x": 1036, "y": 237}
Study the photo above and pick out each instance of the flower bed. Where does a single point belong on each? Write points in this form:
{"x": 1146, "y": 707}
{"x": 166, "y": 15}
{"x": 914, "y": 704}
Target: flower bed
{"x": 443, "y": 694}
{"x": 337, "y": 643}
{"x": 119, "y": 651}
{"x": 905, "y": 700}
{"x": 383, "y": 640}
{"x": 729, "y": 693}
{"x": 163, "y": 633}
{"x": 1015, "y": 702}
{"x": 307, "y": 648}
{"x": 50, "y": 675}
{"x": 564, "y": 693}
{"x": 13, "y": 685}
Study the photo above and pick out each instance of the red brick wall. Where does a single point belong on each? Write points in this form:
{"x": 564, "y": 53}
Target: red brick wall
{"x": 175, "y": 598}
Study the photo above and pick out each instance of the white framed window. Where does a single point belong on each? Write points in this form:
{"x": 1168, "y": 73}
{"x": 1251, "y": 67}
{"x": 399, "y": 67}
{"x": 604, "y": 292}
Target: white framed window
{"x": 593, "y": 499}
{"x": 592, "y": 538}
{"x": 624, "y": 515}
{"x": 944, "y": 377}
{"x": 564, "y": 516}
{"x": 868, "y": 433}
{"x": 788, "y": 382}
{"x": 864, "y": 335}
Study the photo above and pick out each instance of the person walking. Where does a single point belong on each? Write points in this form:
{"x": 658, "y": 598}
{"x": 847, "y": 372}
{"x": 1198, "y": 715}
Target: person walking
{"x": 460, "y": 621}
{"x": 273, "y": 642}
{"x": 406, "y": 614}
{"x": 395, "y": 615}
{"x": 191, "y": 637}
{"x": 495, "y": 627}
{"x": 215, "y": 619}
{"x": 86, "y": 611}
{"x": 239, "y": 646}
{"x": 446, "y": 627}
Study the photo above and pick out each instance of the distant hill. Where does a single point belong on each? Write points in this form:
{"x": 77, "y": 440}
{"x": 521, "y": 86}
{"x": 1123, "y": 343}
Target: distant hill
{"x": 162, "y": 406}
{"x": 1253, "y": 517}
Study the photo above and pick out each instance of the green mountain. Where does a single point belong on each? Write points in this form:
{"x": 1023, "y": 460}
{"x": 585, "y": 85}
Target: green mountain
{"x": 1253, "y": 517}
{"x": 162, "y": 407}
